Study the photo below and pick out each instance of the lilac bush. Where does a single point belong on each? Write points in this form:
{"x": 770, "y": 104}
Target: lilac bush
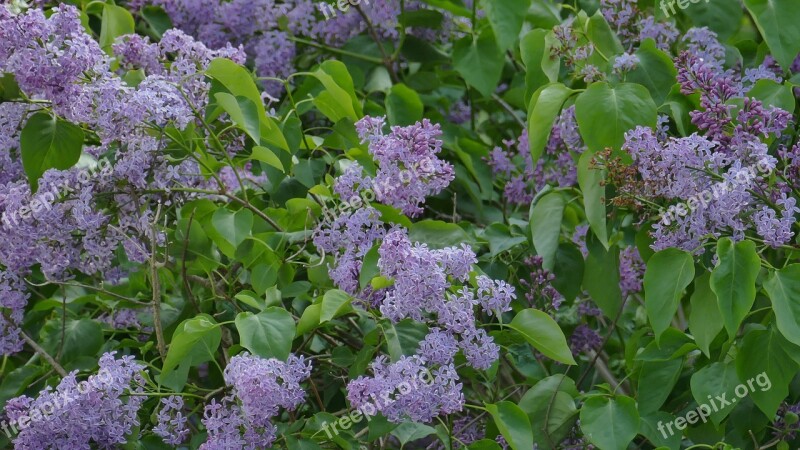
{"x": 385, "y": 224}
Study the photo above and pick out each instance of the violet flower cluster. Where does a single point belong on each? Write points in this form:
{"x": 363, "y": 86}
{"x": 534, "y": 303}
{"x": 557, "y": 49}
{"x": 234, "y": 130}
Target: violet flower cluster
{"x": 86, "y": 213}
{"x": 557, "y": 167}
{"x": 725, "y": 170}
{"x": 260, "y": 388}
{"x": 103, "y": 410}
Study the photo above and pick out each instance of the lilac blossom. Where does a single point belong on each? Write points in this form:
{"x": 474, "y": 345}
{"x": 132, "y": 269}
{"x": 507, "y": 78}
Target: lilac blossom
{"x": 407, "y": 389}
{"x": 103, "y": 410}
{"x": 171, "y": 426}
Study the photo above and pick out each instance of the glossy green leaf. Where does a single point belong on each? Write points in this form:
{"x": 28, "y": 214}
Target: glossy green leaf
{"x": 513, "y": 424}
{"x": 601, "y": 277}
{"x": 334, "y": 303}
{"x": 479, "y": 61}
{"x": 540, "y": 67}
{"x": 234, "y": 227}
{"x": 771, "y": 93}
{"x": 268, "y": 334}
{"x": 545, "y": 220}
{"x": 544, "y": 334}
{"x": 668, "y": 273}
{"x": 544, "y": 107}
{"x": 403, "y": 105}
{"x": 705, "y": 318}
{"x": 716, "y": 379}
{"x": 610, "y": 424}
{"x": 655, "y": 71}
{"x": 591, "y": 180}
{"x": 606, "y": 113}
{"x": 766, "y": 356}
{"x": 777, "y": 21}
{"x": 195, "y": 341}
{"x": 506, "y": 18}
{"x": 733, "y": 280}
{"x": 117, "y": 21}
{"x": 48, "y": 142}
{"x": 783, "y": 287}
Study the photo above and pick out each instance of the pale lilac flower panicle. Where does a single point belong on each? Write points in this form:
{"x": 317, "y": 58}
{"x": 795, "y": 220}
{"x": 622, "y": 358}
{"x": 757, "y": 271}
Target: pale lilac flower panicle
{"x": 100, "y": 410}
{"x": 408, "y": 168}
{"x": 171, "y": 426}
{"x": 407, "y": 389}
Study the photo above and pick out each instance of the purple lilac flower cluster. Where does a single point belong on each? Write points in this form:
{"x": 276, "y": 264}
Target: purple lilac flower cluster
{"x": 631, "y": 271}
{"x": 541, "y": 292}
{"x": 171, "y": 426}
{"x": 265, "y": 28}
{"x": 101, "y": 410}
{"x": 408, "y": 168}
{"x": 86, "y": 213}
{"x": 408, "y": 389}
{"x": 557, "y": 167}
{"x": 724, "y": 167}
{"x": 260, "y": 388}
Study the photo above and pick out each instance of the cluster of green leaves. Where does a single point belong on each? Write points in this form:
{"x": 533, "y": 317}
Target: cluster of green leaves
{"x": 241, "y": 274}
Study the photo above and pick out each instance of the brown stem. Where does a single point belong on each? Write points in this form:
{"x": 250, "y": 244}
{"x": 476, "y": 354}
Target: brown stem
{"x": 43, "y": 353}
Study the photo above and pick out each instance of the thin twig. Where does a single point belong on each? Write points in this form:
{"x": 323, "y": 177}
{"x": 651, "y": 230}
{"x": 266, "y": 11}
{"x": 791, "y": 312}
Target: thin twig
{"x": 43, "y": 353}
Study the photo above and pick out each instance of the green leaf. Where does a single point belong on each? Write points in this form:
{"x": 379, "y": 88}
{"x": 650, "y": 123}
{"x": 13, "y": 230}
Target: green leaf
{"x": 705, "y": 318}
{"x": 568, "y": 271}
{"x": 610, "y": 424}
{"x": 195, "y": 341}
{"x": 237, "y": 81}
{"x": 655, "y": 71}
{"x": 540, "y": 67}
{"x": 506, "y": 18}
{"x": 339, "y": 99}
{"x": 334, "y": 303}
{"x": 771, "y": 93}
{"x": 403, "y": 105}
{"x": 544, "y": 334}
{"x": 592, "y": 183}
{"x": 117, "y": 21}
{"x": 438, "y": 234}
{"x": 733, "y": 280}
{"x": 82, "y": 337}
{"x": 601, "y": 277}
{"x": 234, "y": 227}
{"x": 545, "y": 220}
{"x": 242, "y": 112}
{"x": 479, "y": 61}
{"x": 47, "y": 142}
{"x": 268, "y": 334}
{"x": 668, "y": 273}
{"x": 724, "y": 17}
{"x": 513, "y": 424}
{"x": 778, "y": 21}
{"x": 766, "y": 356}
{"x": 714, "y": 380}
{"x": 500, "y": 238}
{"x": 544, "y": 107}
{"x": 550, "y": 406}
{"x": 266, "y": 155}
{"x": 309, "y": 320}
{"x": 656, "y": 381}
{"x": 606, "y": 113}
{"x": 783, "y": 288}
{"x": 158, "y": 19}
{"x": 603, "y": 38}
